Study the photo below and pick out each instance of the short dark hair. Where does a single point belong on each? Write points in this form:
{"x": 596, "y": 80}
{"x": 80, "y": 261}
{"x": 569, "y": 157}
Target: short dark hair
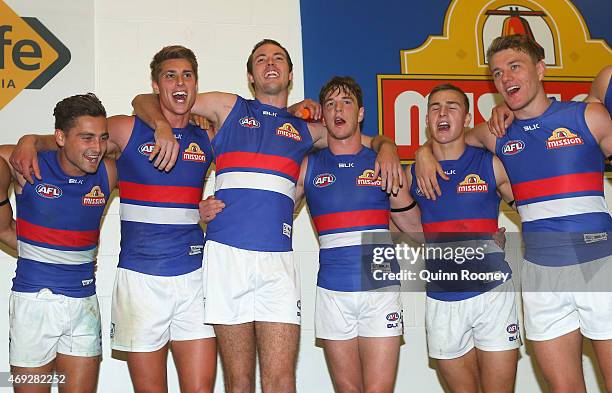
{"x": 448, "y": 86}
{"x": 69, "y": 109}
{"x": 342, "y": 84}
{"x": 264, "y": 42}
{"x": 517, "y": 42}
{"x": 169, "y": 53}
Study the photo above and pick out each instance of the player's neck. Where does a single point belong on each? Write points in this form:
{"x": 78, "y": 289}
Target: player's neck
{"x": 536, "y": 107}
{"x": 449, "y": 151}
{"x": 276, "y": 100}
{"x": 67, "y": 167}
{"x": 350, "y": 145}
{"x": 175, "y": 120}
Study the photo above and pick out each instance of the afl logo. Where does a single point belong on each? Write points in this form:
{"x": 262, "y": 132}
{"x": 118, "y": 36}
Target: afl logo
{"x": 511, "y": 148}
{"x": 513, "y": 328}
{"x": 249, "y": 122}
{"x": 324, "y": 180}
{"x": 392, "y": 317}
{"x": 146, "y": 148}
{"x": 48, "y": 191}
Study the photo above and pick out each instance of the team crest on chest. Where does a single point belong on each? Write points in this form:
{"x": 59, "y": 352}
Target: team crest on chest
{"x": 472, "y": 183}
{"x": 194, "y": 153}
{"x": 367, "y": 179}
{"x": 289, "y": 131}
{"x": 562, "y": 137}
{"x": 95, "y": 197}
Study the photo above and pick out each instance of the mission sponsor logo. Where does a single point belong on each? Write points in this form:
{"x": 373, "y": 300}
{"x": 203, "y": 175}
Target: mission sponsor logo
{"x": 288, "y": 131}
{"x": 367, "y": 179}
{"x": 194, "y": 153}
{"x": 324, "y": 180}
{"x": 48, "y": 191}
{"x": 513, "y": 147}
{"x": 249, "y": 122}
{"x": 95, "y": 197}
{"x": 562, "y": 137}
{"x": 30, "y": 55}
{"x": 472, "y": 183}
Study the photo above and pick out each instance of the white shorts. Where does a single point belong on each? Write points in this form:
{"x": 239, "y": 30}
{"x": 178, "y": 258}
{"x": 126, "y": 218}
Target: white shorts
{"x": 346, "y": 315}
{"x": 551, "y": 314}
{"x": 148, "y": 311}
{"x": 246, "y": 286}
{"x": 44, "y": 324}
{"x": 488, "y": 322}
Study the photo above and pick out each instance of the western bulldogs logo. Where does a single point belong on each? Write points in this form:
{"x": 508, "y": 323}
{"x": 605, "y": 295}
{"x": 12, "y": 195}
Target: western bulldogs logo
{"x": 48, "y": 191}
{"x": 511, "y": 148}
{"x": 249, "y": 122}
{"x": 324, "y": 180}
{"x": 146, "y": 148}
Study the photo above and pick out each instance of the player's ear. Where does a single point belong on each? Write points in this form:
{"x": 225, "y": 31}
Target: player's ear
{"x": 468, "y": 118}
{"x": 60, "y": 137}
{"x": 155, "y": 87}
{"x": 541, "y": 69}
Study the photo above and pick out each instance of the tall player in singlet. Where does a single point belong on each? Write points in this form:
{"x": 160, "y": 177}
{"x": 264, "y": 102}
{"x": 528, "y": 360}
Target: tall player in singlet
{"x": 54, "y": 312}
{"x": 360, "y": 327}
{"x": 472, "y": 323}
{"x": 258, "y": 149}
{"x": 157, "y": 297}
{"x": 553, "y": 153}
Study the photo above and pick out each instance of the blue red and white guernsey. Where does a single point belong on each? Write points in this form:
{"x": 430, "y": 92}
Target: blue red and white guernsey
{"x": 346, "y": 201}
{"x": 463, "y": 218}
{"x": 58, "y": 226}
{"x": 160, "y": 234}
{"x": 258, "y": 152}
{"x": 556, "y": 170}
{"x": 608, "y": 99}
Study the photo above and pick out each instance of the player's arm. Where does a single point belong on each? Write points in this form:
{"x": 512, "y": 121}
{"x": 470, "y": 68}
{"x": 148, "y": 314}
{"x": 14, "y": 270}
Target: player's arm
{"x": 25, "y": 155}
{"x": 427, "y": 166}
{"x": 24, "y": 158}
{"x": 8, "y": 233}
{"x": 504, "y": 188}
{"x": 214, "y": 106}
{"x": 306, "y": 109}
{"x": 405, "y": 212}
{"x": 299, "y": 188}
{"x": 599, "y": 122}
{"x": 600, "y": 85}
{"x": 111, "y": 171}
{"x": 501, "y": 118}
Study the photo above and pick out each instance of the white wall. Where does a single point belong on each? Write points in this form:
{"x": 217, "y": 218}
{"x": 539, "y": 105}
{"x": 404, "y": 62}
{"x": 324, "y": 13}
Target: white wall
{"x": 222, "y": 34}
